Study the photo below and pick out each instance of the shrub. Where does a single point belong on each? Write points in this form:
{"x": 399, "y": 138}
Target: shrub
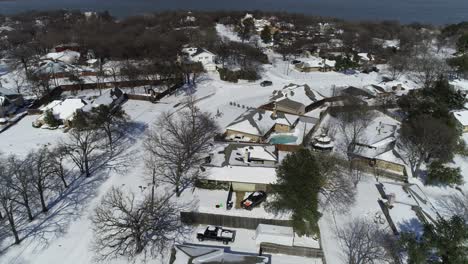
{"x": 234, "y": 76}
{"x": 50, "y": 119}
{"x": 439, "y": 173}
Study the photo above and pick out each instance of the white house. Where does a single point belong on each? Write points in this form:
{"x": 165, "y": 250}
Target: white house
{"x": 205, "y": 57}
{"x": 64, "y": 111}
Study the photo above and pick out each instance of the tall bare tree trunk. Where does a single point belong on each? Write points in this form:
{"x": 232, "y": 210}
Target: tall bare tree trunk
{"x": 41, "y": 197}
{"x": 86, "y": 163}
{"x": 11, "y": 221}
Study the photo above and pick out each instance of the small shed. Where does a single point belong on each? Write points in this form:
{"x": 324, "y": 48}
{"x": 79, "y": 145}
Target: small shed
{"x": 280, "y": 235}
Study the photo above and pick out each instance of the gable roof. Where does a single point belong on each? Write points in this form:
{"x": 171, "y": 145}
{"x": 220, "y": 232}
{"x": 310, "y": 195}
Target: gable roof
{"x": 298, "y": 93}
{"x": 290, "y": 104}
{"x": 200, "y": 51}
{"x": 258, "y": 122}
{"x": 108, "y": 97}
{"x": 188, "y": 254}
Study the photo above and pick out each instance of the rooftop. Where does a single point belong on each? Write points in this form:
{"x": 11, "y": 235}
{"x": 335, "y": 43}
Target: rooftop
{"x": 259, "y": 122}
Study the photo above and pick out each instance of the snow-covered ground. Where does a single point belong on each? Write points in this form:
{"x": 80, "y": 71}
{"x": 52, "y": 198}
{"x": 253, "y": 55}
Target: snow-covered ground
{"x": 65, "y": 235}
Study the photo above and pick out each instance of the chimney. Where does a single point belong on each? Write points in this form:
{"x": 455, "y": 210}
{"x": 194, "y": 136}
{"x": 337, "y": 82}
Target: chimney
{"x": 274, "y": 110}
{"x": 391, "y": 199}
{"x": 246, "y": 155}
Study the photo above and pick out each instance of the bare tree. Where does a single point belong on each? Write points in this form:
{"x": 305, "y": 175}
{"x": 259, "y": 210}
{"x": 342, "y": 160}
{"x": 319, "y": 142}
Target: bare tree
{"x": 127, "y": 226}
{"x": 356, "y": 171}
{"x": 177, "y": 144}
{"x": 397, "y": 66}
{"x": 82, "y": 143}
{"x": 19, "y": 80}
{"x": 363, "y": 242}
{"x": 424, "y": 138}
{"x": 56, "y": 160}
{"x": 427, "y": 69}
{"x": 22, "y": 182}
{"x": 109, "y": 120}
{"x": 352, "y": 125}
{"x": 7, "y": 200}
{"x": 338, "y": 190}
{"x": 40, "y": 173}
{"x": 455, "y": 204}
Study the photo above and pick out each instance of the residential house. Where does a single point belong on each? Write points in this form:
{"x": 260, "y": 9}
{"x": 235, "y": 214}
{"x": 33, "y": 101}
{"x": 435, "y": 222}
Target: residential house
{"x": 205, "y": 57}
{"x": 242, "y": 178}
{"x": 293, "y": 99}
{"x": 67, "y": 46}
{"x": 110, "y": 97}
{"x": 365, "y": 59}
{"x": 64, "y": 111}
{"x": 255, "y": 125}
{"x": 9, "y": 102}
{"x": 462, "y": 118}
{"x": 315, "y": 64}
{"x": 200, "y": 254}
{"x": 251, "y": 155}
{"x": 378, "y": 149}
{"x": 67, "y": 56}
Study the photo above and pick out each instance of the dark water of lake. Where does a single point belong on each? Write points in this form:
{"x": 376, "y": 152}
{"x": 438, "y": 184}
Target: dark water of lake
{"x": 406, "y": 11}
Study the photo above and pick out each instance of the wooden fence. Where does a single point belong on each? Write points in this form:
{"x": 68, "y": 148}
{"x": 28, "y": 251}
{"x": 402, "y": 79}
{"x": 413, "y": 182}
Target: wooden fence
{"x": 141, "y": 97}
{"x": 288, "y": 250}
{"x": 106, "y": 85}
{"x": 192, "y": 218}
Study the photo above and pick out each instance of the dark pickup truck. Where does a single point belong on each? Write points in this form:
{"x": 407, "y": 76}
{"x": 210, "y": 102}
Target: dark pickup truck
{"x": 216, "y": 233}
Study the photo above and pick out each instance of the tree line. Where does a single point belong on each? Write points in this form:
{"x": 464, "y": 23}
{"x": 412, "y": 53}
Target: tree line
{"x": 32, "y": 181}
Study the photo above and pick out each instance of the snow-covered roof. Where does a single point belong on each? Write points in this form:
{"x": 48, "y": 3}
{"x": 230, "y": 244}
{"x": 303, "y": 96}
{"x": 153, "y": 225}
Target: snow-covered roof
{"x": 67, "y": 108}
{"x": 107, "y": 98}
{"x": 64, "y": 110}
{"x": 199, "y": 254}
{"x": 461, "y": 116}
{"x": 5, "y": 91}
{"x": 315, "y": 62}
{"x": 258, "y": 122}
{"x": 260, "y": 153}
{"x": 365, "y": 56}
{"x": 193, "y": 51}
{"x": 299, "y": 93}
{"x": 51, "y": 67}
{"x": 67, "y": 56}
{"x": 257, "y": 175}
{"x": 275, "y": 230}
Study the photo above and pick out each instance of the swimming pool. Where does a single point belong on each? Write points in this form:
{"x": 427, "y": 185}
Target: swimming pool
{"x": 282, "y": 139}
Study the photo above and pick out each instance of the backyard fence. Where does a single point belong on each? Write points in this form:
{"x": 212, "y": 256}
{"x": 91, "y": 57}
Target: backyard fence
{"x": 192, "y": 218}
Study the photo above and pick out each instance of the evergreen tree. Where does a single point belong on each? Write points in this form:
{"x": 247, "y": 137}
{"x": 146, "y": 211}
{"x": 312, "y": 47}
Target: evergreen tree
{"x": 438, "y": 173}
{"x": 450, "y": 238}
{"x": 266, "y": 35}
{"x": 446, "y": 242}
{"x": 462, "y": 43}
{"x": 297, "y": 190}
{"x": 50, "y": 119}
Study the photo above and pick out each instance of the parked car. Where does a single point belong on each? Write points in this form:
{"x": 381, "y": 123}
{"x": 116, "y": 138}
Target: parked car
{"x": 254, "y": 199}
{"x": 266, "y": 83}
{"x": 296, "y": 62}
{"x": 216, "y": 233}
